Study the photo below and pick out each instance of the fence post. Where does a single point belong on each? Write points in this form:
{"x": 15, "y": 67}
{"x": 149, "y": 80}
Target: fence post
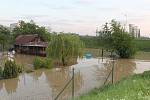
{"x": 102, "y": 54}
{"x": 73, "y": 83}
{"x": 113, "y": 69}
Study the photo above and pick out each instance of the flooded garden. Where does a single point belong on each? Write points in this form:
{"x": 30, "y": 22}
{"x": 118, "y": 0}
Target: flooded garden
{"x": 45, "y": 84}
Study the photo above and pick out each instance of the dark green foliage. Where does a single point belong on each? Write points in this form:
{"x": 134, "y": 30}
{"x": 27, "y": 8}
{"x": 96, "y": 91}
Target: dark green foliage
{"x": 116, "y": 39}
{"x": 42, "y": 63}
{"x": 4, "y": 37}
{"x": 124, "y": 45}
{"x": 90, "y": 41}
{"x": 122, "y": 42}
{"x": 104, "y": 37}
{"x": 31, "y": 28}
{"x": 10, "y": 70}
{"x": 146, "y": 74}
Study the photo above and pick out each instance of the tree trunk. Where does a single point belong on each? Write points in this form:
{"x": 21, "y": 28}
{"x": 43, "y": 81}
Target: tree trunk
{"x": 63, "y": 61}
{"x": 3, "y": 48}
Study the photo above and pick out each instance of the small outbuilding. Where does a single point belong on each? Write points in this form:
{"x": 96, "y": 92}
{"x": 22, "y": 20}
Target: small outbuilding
{"x": 30, "y": 44}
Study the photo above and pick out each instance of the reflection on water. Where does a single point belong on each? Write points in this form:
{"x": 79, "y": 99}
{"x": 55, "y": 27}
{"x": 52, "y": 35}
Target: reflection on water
{"x": 123, "y": 68}
{"x": 46, "y": 84}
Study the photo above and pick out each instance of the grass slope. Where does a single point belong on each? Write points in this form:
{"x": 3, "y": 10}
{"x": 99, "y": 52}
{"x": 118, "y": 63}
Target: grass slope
{"x": 143, "y": 45}
{"x": 92, "y": 42}
{"x": 136, "y": 87}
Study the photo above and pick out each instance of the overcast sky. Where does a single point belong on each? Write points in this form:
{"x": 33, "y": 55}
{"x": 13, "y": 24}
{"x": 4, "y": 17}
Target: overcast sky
{"x": 79, "y": 16}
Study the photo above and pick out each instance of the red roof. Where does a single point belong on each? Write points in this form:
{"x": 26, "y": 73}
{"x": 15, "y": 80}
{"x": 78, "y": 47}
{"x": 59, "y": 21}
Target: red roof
{"x": 30, "y": 40}
{"x": 23, "y": 39}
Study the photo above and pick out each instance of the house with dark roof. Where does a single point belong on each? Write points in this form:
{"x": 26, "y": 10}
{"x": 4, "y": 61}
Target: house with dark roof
{"x": 30, "y": 44}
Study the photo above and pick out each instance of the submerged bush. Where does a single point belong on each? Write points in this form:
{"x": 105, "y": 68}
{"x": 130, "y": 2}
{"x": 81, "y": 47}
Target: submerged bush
{"x": 20, "y": 68}
{"x": 42, "y": 63}
{"x": 10, "y": 70}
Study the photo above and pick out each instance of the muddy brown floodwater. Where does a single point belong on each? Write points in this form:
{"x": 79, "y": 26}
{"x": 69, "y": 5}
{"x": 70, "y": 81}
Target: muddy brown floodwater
{"x": 46, "y": 84}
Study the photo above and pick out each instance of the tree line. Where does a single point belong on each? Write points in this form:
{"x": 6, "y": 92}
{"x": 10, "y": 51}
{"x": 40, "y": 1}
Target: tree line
{"x": 62, "y": 46}
{"x": 7, "y": 37}
{"x": 112, "y": 37}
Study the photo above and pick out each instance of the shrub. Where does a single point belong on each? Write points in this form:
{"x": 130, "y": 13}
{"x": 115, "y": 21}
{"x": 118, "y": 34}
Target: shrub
{"x": 47, "y": 63}
{"x": 42, "y": 63}
{"x": 10, "y": 70}
{"x": 124, "y": 45}
{"x": 20, "y": 68}
{"x": 37, "y": 63}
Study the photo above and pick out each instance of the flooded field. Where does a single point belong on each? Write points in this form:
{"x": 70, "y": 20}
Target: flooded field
{"x": 45, "y": 84}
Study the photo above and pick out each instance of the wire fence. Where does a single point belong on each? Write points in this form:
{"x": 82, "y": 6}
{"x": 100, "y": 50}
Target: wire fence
{"x": 70, "y": 81}
{"x": 111, "y": 73}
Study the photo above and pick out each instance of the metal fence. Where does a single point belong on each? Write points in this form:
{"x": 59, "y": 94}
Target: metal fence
{"x": 111, "y": 73}
{"x": 69, "y": 82}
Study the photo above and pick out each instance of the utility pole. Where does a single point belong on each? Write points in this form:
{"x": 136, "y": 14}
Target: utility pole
{"x": 125, "y": 25}
{"x": 73, "y": 83}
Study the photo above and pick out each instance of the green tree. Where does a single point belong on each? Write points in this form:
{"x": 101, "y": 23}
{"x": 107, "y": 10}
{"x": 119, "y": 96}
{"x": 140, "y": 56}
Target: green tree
{"x": 122, "y": 42}
{"x": 65, "y": 47}
{"x": 114, "y": 38}
{"x": 31, "y": 28}
{"x": 4, "y": 37}
{"x": 90, "y": 41}
{"x": 105, "y": 39}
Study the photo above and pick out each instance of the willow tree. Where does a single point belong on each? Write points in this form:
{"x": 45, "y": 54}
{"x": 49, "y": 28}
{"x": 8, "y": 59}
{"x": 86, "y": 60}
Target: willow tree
{"x": 4, "y": 37}
{"x": 65, "y": 47}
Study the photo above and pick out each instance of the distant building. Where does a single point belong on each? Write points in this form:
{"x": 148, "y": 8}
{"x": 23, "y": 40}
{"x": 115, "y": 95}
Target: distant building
{"x": 30, "y": 44}
{"x": 134, "y": 31}
{"x": 14, "y": 25}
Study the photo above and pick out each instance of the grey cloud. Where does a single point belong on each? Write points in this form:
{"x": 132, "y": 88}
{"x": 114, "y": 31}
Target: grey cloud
{"x": 7, "y": 20}
{"x": 31, "y": 16}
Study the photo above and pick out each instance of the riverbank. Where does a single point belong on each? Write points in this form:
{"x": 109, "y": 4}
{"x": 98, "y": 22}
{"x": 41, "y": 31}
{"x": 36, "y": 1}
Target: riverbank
{"x": 136, "y": 87}
{"x": 47, "y": 83}
{"x": 92, "y": 42}
{"x": 142, "y": 55}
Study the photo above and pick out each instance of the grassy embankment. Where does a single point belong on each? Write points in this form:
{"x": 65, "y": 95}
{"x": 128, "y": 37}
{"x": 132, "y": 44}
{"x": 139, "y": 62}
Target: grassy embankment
{"x": 136, "y": 87}
{"x": 143, "y": 45}
{"x": 143, "y": 48}
{"x": 92, "y": 42}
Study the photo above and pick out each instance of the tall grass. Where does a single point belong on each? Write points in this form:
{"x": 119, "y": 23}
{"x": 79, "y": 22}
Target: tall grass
{"x": 136, "y": 87}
